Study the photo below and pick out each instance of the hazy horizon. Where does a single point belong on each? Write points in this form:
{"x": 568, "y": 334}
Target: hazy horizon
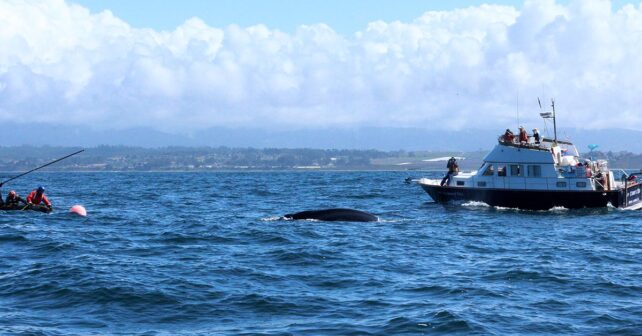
{"x": 179, "y": 69}
{"x": 378, "y": 138}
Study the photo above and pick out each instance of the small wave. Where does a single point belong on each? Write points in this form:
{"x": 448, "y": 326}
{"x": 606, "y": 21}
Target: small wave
{"x": 526, "y": 275}
{"x": 12, "y": 238}
{"x": 614, "y": 288}
{"x": 364, "y": 196}
{"x": 403, "y": 325}
{"x": 301, "y": 257}
{"x": 445, "y": 321}
{"x": 475, "y": 204}
{"x": 312, "y": 220}
{"x": 433, "y": 289}
{"x": 128, "y": 298}
{"x": 607, "y": 319}
{"x": 274, "y": 239}
{"x": 274, "y": 218}
{"x": 549, "y": 328}
{"x": 440, "y": 322}
{"x": 180, "y": 239}
{"x": 267, "y": 237}
{"x": 478, "y": 204}
{"x": 333, "y": 283}
{"x": 137, "y": 298}
{"x": 375, "y": 303}
{"x": 380, "y": 220}
{"x": 263, "y": 193}
{"x": 53, "y": 247}
{"x": 551, "y": 305}
{"x": 263, "y": 303}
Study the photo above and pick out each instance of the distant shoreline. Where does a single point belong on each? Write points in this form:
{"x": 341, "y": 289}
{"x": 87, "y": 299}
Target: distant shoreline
{"x": 210, "y": 159}
{"x": 228, "y": 171}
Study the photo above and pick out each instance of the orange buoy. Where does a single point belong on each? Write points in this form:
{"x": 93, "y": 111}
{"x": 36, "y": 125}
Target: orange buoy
{"x": 78, "y": 210}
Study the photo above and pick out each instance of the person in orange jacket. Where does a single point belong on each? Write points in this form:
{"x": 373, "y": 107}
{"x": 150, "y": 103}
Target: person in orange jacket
{"x": 37, "y": 196}
{"x": 523, "y": 136}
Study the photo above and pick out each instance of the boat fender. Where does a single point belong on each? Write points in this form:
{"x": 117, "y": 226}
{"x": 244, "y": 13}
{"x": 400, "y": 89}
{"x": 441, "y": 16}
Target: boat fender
{"x": 78, "y": 210}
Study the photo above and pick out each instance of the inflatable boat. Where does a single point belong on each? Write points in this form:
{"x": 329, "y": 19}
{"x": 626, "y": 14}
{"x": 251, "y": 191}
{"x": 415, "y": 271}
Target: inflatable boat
{"x": 40, "y": 208}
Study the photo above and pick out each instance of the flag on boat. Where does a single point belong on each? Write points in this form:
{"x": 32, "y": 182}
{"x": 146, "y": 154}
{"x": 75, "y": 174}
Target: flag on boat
{"x": 546, "y": 115}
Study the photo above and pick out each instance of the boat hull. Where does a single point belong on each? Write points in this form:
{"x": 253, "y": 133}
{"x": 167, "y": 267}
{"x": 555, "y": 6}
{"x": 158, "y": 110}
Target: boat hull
{"x": 39, "y": 208}
{"x": 631, "y": 198}
{"x": 525, "y": 199}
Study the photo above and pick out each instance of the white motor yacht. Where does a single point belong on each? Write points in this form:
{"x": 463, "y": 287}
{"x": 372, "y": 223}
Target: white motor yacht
{"x": 538, "y": 176}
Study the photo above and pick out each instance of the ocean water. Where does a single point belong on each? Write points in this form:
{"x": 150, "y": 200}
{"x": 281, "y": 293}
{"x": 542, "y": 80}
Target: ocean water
{"x": 206, "y": 254}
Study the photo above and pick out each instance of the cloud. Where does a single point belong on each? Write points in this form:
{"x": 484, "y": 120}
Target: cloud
{"x": 62, "y": 64}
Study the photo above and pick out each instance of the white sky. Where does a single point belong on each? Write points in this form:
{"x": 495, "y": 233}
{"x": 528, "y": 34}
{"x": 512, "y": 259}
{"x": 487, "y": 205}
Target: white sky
{"x": 460, "y": 68}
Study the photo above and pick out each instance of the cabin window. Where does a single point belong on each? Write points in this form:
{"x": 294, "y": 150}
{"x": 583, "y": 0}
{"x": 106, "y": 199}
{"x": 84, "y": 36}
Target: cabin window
{"x": 515, "y": 170}
{"x": 561, "y": 184}
{"x": 580, "y": 184}
{"x": 489, "y": 171}
{"x": 460, "y": 183}
{"x": 501, "y": 171}
{"x": 481, "y": 183}
{"x": 535, "y": 171}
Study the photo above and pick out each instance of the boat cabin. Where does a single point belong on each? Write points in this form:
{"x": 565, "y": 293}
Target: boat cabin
{"x": 548, "y": 165}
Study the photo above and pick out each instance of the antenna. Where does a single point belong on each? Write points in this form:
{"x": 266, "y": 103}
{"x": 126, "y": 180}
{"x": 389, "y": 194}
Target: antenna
{"x": 518, "y": 109}
{"x": 543, "y": 115}
{"x": 554, "y": 120}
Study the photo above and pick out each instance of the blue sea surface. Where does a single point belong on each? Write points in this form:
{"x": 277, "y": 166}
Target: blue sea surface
{"x": 206, "y": 254}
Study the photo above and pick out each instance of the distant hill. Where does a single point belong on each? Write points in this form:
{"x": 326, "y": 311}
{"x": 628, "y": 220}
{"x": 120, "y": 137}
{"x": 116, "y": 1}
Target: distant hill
{"x": 124, "y": 158}
{"x": 381, "y": 138}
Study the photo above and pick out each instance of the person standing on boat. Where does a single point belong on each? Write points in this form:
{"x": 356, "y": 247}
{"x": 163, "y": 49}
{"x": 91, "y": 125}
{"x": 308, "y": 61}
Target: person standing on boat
{"x": 508, "y": 136}
{"x": 588, "y": 170}
{"x": 523, "y": 136}
{"x": 536, "y": 136}
{"x": 453, "y": 168}
{"x": 13, "y": 199}
{"x": 37, "y": 196}
{"x": 632, "y": 178}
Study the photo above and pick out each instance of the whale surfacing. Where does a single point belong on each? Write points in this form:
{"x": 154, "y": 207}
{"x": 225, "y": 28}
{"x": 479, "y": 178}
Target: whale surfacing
{"x": 334, "y": 215}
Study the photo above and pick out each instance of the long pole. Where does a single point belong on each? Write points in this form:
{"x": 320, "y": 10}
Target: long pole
{"x": 518, "y": 110}
{"x": 43, "y": 166}
{"x": 554, "y": 120}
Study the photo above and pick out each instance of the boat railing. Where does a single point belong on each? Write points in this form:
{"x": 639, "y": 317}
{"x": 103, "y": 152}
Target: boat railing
{"x": 572, "y": 171}
{"x": 599, "y": 184}
{"x": 561, "y": 142}
{"x": 624, "y": 177}
{"x": 524, "y": 144}
{"x": 623, "y": 174}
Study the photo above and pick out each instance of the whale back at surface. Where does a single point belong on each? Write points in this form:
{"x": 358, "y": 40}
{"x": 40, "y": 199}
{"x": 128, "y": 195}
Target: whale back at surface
{"x": 331, "y": 215}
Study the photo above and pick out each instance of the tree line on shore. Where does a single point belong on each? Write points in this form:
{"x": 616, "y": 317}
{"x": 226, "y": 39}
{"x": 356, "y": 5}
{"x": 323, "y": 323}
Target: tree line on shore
{"x": 124, "y": 158}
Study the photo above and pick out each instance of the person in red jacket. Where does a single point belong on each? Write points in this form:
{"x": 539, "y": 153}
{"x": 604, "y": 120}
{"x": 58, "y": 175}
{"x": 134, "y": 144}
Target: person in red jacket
{"x": 37, "y": 196}
{"x": 523, "y": 136}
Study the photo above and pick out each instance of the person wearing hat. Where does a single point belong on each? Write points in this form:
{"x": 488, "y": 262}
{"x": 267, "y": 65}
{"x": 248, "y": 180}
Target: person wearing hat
{"x": 536, "y": 136}
{"x": 37, "y": 196}
{"x": 523, "y": 136}
{"x": 13, "y": 199}
{"x": 508, "y": 136}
